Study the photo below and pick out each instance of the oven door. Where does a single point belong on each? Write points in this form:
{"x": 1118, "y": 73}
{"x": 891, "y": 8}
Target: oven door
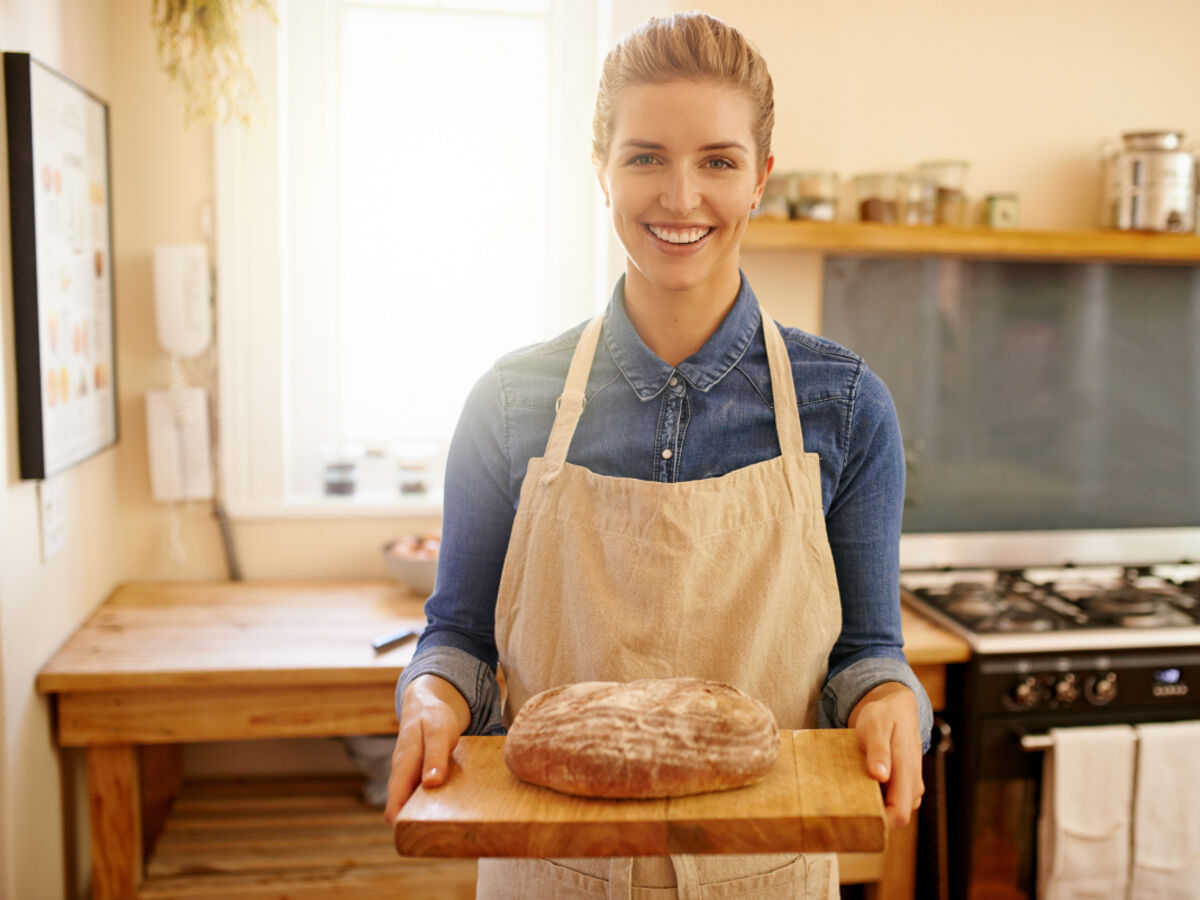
{"x": 994, "y": 796}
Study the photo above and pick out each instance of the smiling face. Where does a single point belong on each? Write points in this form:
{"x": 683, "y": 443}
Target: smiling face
{"x": 681, "y": 178}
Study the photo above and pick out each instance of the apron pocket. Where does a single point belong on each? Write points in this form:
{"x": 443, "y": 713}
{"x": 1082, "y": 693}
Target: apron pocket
{"x": 534, "y": 879}
{"x": 809, "y": 877}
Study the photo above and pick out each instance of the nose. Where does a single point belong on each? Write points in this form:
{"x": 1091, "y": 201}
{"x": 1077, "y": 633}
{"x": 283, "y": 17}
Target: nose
{"x": 680, "y": 192}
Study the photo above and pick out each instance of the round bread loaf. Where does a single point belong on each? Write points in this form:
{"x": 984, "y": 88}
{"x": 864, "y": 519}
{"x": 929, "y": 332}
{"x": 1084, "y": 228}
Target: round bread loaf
{"x": 660, "y": 737}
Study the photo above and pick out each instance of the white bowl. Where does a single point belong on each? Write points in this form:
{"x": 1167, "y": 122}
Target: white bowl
{"x": 418, "y": 574}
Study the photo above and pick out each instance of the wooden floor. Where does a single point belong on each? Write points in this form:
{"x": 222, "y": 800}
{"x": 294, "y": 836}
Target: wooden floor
{"x": 293, "y": 838}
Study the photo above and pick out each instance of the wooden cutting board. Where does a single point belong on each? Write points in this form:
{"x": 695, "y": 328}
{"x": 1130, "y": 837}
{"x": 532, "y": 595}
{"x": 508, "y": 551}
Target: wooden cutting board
{"x": 818, "y": 798}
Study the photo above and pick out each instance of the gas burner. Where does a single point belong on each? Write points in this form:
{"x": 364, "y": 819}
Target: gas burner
{"x": 1127, "y": 601}
{"x": 1160, "y": 618}
{"x": 972, "y": 600}
{"x": 1019, "y": 619}
{"x": 1064, "y": 609}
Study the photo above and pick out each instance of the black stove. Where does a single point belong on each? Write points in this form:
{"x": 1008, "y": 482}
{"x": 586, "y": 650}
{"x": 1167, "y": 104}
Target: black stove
{"x": 1052, "y": 648}
{"x": 1048, "y": 610}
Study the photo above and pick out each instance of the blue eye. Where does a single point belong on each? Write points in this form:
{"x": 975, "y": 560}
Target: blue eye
{"x": 721, "y": 163}
{"x": 642, "y": 159}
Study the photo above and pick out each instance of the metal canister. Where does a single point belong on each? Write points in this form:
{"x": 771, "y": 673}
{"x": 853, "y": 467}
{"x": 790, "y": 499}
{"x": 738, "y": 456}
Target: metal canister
{"x": 1149, "y": 182}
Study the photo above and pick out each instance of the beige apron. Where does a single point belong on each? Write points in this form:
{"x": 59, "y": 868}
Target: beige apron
{"x": 612, "y": 579}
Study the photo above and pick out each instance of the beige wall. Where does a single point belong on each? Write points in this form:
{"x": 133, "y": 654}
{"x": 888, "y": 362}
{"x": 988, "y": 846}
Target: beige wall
{"x": 42, "y": 602}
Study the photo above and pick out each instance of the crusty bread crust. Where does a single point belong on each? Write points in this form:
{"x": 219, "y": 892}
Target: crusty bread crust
{"x": 662, "y": 737}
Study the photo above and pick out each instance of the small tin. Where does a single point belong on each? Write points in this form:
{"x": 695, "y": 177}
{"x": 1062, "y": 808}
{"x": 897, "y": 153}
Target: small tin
{"x": 1001, "y": 211}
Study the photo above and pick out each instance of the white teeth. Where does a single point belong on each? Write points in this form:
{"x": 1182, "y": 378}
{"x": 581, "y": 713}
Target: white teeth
{"x": 684, "y": 236}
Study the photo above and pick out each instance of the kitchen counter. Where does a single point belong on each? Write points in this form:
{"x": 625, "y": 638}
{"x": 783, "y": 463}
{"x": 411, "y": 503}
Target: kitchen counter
{"x": 929, "y": 648}
{"x": 161, "y": 664}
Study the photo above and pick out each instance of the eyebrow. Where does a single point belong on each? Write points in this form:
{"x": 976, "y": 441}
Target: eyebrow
{"x": 651, "y": 145}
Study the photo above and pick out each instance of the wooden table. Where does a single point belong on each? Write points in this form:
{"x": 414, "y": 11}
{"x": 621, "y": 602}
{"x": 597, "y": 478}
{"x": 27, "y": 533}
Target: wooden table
{"x": 172, "y": 663}
{"x": 163, "y": 664}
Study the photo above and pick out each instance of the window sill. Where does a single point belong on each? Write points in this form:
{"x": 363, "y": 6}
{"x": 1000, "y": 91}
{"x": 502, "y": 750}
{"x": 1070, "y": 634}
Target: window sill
{"x": 359, "y": 506}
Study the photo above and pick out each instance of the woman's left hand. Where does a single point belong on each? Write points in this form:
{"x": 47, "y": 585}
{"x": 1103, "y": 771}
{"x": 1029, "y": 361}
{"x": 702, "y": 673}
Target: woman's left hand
{"x": 885, "y": 721}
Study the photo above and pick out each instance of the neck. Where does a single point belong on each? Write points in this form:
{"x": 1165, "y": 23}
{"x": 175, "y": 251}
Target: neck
{"x": 675, "y": 324}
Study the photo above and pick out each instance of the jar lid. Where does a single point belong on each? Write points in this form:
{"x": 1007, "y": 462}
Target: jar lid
{"x": 1152, "y": 140}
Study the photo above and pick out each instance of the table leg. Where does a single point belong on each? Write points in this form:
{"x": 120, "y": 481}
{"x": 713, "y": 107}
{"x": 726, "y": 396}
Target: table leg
{"x": 115, "y": 806}
{"x": 161, "y": 768}
{"x": 899, "y": 881}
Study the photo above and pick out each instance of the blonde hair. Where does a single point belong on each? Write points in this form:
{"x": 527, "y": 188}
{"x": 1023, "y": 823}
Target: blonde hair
{"x": 687, "y": 45}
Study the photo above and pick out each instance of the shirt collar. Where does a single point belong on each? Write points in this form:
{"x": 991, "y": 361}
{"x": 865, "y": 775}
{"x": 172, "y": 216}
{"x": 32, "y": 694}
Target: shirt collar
{"x": 648, "y": 375}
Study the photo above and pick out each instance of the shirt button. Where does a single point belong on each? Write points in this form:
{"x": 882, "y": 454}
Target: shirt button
{"x": 674, "y": 381}
{"x": 667, "y": 454}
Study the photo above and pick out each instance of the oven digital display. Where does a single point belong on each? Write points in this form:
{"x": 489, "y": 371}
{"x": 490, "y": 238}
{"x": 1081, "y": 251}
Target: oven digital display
{"x": 1167, "y": 676}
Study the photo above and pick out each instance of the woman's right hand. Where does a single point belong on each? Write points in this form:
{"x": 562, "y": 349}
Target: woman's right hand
{"x": 433, "y": 715}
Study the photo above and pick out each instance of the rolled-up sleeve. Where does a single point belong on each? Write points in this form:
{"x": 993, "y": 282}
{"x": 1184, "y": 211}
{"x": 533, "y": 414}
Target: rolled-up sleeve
{"x": 863, "y": 524}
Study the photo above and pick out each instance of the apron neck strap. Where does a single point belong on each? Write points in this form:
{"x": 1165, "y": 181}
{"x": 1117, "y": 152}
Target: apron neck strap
{"x": 569, "y": 406}
{"x": 783, "y": 389}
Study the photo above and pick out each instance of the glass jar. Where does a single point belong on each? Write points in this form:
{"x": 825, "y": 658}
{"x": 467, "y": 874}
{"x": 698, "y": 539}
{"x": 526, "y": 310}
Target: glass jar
{"x": 1001, "y": 211}
{"x": 875, "y": 196}
{"x": 340, "y": 479}
{"x": 949, "y": 177}
{"x": 918, "y": 200}
{"x": 812, "y": 196}
{"x": 1150, "y": 182}
{"x": 340, "y": 469}
{"x": 416, "y": 466}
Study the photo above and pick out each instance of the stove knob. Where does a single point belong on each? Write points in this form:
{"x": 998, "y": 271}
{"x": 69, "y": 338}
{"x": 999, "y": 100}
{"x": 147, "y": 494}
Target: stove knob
{"x": 1066, "y": 690}
{"x": 1101, "y": 689}
{"x": 1027, "y": 693}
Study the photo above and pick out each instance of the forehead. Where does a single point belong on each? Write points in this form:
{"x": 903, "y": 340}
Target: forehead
{"x": 683, "y": 114}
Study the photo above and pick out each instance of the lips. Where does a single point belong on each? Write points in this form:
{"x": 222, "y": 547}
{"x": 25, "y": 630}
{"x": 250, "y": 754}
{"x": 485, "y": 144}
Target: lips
{"x": 679, "y": 235}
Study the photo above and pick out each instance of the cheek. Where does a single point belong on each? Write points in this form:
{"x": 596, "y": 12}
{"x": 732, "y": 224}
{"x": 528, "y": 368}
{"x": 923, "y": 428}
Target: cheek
{"x": 630, "y": 206}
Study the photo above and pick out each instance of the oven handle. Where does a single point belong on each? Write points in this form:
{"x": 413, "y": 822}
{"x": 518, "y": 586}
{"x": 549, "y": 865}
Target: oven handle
{"x": 1036, "y": 743}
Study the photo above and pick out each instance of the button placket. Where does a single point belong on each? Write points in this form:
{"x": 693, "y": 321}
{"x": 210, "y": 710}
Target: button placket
{"x": 671, "y": 424}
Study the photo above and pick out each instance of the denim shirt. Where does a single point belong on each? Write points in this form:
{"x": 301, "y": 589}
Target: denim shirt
{"x": 713, "y": 412}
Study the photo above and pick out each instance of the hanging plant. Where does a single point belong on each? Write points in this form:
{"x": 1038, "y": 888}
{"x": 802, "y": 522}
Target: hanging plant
{"x": 200, "y": 48}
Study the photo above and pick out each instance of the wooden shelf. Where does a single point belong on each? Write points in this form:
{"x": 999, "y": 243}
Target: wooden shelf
{"x": 295, "y": 838}
{"x": 869, "y": 239}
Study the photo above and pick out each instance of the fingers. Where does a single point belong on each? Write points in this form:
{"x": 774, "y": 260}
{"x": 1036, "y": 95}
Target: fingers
{"x": 906, "y": 787}
{"x": 407, "y": 758}
{"x": 885, "y": 723}
{"x": 440, "y": 739}
{"x": 874, "y": 740}
{"x": 422, "y": 756}
{"x": 434, "y": 715}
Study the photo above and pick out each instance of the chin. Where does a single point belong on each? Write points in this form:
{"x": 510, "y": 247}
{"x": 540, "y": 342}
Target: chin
{"x": 675, "y": 282}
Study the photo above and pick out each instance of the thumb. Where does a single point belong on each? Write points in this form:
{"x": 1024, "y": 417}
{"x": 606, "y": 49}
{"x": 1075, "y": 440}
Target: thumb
{"x": 879, "y": 765}
{"x": 878, "y": 752}
{"x": 439, "y": 743}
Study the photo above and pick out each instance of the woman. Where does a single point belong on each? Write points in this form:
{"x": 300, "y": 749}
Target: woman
{"x": 640, "y": 498}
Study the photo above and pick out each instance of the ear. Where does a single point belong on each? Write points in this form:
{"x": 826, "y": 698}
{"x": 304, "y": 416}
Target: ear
{"x": 760, "y": 182}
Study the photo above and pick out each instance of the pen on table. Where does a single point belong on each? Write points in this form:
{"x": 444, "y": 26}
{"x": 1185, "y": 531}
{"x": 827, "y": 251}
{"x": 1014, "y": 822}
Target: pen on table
{"x": 395, "y": 638}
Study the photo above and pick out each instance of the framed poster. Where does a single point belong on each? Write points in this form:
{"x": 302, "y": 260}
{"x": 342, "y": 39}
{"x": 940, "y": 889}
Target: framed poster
{"x": 61, "y": 223}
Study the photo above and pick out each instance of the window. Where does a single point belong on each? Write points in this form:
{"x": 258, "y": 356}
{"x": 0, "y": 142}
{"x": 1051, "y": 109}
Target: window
{"x": 417, "y": 200}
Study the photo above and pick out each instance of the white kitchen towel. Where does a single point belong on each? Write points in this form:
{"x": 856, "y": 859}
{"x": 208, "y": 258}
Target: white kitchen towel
{"x": 1166, "y": 813}
{"x": 1084, "y": 828}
